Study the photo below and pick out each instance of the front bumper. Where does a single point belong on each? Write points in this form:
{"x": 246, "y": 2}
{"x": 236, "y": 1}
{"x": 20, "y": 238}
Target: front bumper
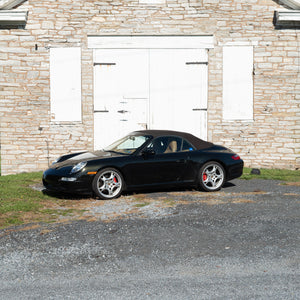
{"x": 62, "y": 181}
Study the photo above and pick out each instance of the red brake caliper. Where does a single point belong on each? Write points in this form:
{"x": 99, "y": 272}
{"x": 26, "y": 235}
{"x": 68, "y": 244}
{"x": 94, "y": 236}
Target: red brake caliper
{"x": 204, "y": 176}
{"x": 115, "y": 180}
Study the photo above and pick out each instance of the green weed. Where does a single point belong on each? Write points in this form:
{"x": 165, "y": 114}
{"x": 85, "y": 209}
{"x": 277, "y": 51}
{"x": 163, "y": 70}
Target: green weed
{"x": 275, "y": 174}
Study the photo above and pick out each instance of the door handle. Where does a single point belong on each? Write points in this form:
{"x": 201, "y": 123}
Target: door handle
{"x": 199, "y": 109}
{"x": 181, "y": 160}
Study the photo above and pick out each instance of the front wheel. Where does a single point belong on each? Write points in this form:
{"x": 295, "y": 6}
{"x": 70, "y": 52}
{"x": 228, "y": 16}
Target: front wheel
{"x": 212, "y": 176}
{"x": 108, "y": 184}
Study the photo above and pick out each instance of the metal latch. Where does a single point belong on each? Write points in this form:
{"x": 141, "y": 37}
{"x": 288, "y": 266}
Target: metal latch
{"x": 196, "y": 63}
{"x": 104, "y": 64}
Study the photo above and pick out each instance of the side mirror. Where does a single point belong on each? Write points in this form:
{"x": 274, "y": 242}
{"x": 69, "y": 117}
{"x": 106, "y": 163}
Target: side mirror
{"x": 148, "y": 152}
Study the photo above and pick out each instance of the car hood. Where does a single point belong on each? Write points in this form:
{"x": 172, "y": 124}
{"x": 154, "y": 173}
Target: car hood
{"x": 73, "y": 159}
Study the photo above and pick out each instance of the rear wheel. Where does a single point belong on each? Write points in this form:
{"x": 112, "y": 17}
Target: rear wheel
{"x": 108, "y": 184}
{"x": 212, "y": 176}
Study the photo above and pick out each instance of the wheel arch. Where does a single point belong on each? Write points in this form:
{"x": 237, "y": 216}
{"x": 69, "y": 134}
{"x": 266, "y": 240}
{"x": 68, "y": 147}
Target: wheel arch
{"x": 116, "y": 168}
{"x": 218, "y": 161}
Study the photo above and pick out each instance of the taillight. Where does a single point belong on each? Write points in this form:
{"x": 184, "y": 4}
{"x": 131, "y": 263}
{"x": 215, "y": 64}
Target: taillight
{"x": 235, "y": 157}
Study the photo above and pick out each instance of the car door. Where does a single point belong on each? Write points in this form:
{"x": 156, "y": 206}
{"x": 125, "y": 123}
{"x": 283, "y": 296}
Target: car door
{"x": 161, "y": 162}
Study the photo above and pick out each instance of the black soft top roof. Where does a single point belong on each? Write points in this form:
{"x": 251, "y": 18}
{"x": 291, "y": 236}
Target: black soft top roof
{"x": 196, "y": 142}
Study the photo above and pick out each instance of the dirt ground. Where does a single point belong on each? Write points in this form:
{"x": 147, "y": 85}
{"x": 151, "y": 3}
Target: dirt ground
{"x": 239, "y": 243}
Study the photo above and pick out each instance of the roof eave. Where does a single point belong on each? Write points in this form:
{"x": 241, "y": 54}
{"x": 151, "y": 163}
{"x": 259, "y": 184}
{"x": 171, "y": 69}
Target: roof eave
{"x": 294, "y": 4}
{"x": 9, "y": 4}
{"x": 287, "y": 17}
{"x": 12, "y": 17}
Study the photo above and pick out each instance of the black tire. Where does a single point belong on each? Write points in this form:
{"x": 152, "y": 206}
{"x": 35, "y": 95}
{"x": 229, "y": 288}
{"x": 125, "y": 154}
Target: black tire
{"x": 211, "y": 176}
{"x": 108, "y": 184}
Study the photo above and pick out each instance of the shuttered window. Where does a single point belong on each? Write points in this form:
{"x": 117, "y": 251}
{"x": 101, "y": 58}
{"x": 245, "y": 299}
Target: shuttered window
{"x": 237, "y": 83}
{"x": 65, "y": 84}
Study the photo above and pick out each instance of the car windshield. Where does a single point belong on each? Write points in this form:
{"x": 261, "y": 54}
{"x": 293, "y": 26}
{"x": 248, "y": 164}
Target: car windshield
{"x": 128, "y": 144}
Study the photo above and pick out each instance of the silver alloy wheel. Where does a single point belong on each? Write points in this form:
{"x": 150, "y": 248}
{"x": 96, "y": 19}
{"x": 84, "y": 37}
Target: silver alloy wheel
{"x": 212, "y": 176}
{"x": 109, "y": 184}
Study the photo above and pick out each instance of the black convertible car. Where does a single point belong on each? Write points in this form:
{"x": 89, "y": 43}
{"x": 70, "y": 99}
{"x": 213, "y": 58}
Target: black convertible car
{"x": 145, "y": 159}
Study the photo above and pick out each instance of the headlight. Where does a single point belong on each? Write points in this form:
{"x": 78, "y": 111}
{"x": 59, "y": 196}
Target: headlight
{"x": 78, "y": 167}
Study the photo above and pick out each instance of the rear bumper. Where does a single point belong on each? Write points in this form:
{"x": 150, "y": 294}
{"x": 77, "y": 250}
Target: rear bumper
{"x": 235, "y": 171}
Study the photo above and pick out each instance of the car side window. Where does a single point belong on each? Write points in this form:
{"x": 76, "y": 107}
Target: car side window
{"x": 166, "y": 144}
{"x": 186, "y": 146}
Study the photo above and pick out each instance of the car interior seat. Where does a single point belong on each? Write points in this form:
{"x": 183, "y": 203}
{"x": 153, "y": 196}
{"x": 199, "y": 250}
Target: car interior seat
{"x": 172, "y": 147}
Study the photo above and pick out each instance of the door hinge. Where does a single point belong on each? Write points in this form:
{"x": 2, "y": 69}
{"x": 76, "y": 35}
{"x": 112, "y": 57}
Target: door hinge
{"x": 104, "y": 64}
{"x": 196, "y": 63}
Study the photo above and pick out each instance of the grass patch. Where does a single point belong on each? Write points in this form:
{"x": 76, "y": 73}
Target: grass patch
{"x": 142, "y": 204}
{"x": 16, "y": 194}
{"x": 275, "y": 174}
{"x": 170, "y": 202}
{"x": 20, "y": 204}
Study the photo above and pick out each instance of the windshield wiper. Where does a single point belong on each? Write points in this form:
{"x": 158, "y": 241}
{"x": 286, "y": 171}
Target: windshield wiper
{"x": 112, "y": 151}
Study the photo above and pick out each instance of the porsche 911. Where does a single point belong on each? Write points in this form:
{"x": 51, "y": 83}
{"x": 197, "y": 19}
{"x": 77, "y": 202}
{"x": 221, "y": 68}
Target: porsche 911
{"x": 144, "y": 160}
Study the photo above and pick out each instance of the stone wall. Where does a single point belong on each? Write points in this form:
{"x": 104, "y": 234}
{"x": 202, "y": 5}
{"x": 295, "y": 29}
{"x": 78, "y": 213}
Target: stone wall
{"x": 30, "y": 140}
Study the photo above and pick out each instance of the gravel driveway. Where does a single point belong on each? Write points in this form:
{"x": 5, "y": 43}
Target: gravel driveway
{"x": 239, "y": 243}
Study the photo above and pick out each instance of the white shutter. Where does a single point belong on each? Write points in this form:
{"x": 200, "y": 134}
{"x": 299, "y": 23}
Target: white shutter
{"x": 65, "y": 84}
{"x": 237, "y": 83}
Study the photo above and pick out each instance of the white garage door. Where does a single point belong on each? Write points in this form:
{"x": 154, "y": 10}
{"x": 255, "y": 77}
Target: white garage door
{"x": 149, "y": 88}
